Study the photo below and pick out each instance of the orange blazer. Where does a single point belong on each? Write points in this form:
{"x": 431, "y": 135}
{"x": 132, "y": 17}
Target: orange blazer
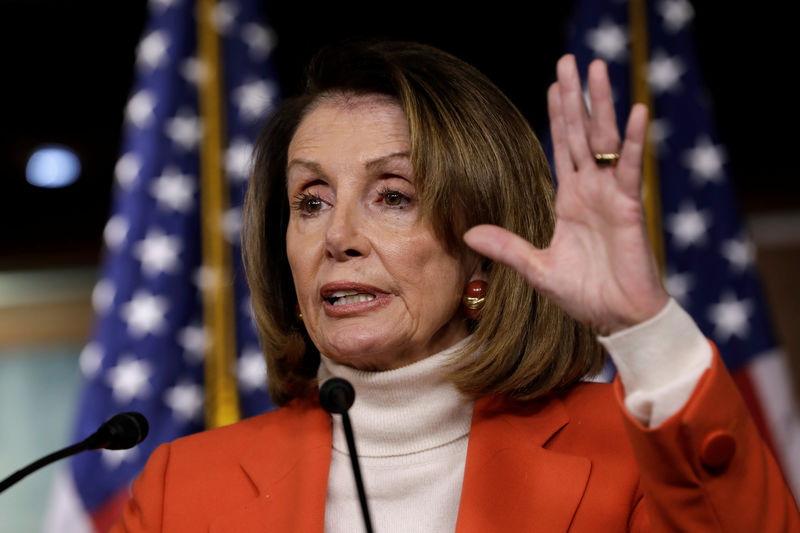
{"x": 574, "y": 461}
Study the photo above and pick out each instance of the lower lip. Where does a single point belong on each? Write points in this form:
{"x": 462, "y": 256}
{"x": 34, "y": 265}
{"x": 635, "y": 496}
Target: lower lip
{"x": 380, "y": 300}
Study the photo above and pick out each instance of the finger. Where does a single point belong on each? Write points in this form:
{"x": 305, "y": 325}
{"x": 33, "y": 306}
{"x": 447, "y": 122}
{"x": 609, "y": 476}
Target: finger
{"x": 507, "y": 248}
{"x": 558, "y": 133}
{"x": 573, "y": 105}
{"x": 604, "y": 134}
{"x": 629, "y": 168}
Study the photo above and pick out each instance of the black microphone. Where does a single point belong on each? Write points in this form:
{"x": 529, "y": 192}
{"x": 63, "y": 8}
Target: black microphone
{"x": 336, "y": 395}
{"x": 120, "y": 432}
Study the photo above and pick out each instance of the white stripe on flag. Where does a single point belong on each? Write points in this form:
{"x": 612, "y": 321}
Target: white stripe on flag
{"x": 772, "y": 380}
{"x": 65, "y": 512}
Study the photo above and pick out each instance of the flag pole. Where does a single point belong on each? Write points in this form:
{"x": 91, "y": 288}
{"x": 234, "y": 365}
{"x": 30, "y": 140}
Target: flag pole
{"x": 222, "y": 405}
{"x": 651, "y": 197}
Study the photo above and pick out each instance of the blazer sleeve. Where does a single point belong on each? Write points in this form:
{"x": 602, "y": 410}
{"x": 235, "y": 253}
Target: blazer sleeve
{"x": 144, "y": 511}
{"x": 706, "y": 468}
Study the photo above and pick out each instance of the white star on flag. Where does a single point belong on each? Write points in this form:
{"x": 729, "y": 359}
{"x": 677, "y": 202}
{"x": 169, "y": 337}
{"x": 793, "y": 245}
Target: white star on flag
{"x": 247, "y": 307}
{"x": 160, "y": 5}
{"x": 689, "y": 225}
{"x": 144, "y": 313}
{"x": 608, "y": 41}
{"x": 739, "y": 252}
{"x": 90, "y": 359}
{"x": 678, "y": 286}
{"x": 658, "y": 131}
{"x": 139, "y": 111}
{"x": 664, "y": 73}
{"x": 173, "y": 190}
{"x": 247, "y": 310}
{"x": 129, "y": 379}
{"x": 232, "y": 224}
{"x": 127, "y": 170}
{"x": 254, "y": 98}
{"x": 103, "y": 296}
{"x": 223, "y": 16}
{"x": 115, "y": 232}
{"x": 260, "y": 41}
{"x": 252, "y": 370}
{"x": 184, "y": 129}
{"x": 185, "y": 399}
{"x": 113, "y": 458}
{"x": 676, "y": 14}
{"x": 158, "y": 252}
{"x": 192, "y": 70}
{"x": 730, "y": 317}
{"x": 152, "y": 50}
{"x": 194, "y": 340}
{"x": 206, "y": 278}
{"x": 238, "y": 159}
{"x": 705, "y": 161}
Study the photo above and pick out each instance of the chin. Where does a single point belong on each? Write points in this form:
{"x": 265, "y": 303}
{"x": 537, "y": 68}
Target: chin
{"x": 364, "y": 354}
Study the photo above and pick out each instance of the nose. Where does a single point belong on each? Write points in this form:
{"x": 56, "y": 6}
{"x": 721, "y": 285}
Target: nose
{"x": 344, "y": 238}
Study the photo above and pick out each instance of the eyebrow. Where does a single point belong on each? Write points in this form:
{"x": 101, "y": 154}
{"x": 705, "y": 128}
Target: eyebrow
{"x": 379, "y": 161}
{"x": 311, "y": 165}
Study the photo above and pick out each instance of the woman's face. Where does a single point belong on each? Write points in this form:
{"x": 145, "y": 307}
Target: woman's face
{"x": 376, "y": 288}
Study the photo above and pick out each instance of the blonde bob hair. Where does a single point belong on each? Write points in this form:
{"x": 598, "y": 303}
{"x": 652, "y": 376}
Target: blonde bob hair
{"x": 476, "y": 161}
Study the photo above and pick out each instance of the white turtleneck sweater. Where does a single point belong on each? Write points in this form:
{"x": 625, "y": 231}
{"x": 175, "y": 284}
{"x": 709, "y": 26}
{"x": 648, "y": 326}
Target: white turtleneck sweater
{"x": 411, "y": 425}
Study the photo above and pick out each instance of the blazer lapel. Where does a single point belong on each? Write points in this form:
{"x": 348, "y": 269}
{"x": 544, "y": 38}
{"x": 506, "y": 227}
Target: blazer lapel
{"x": 511, "y": 482}
{"x": 289, "y": 464}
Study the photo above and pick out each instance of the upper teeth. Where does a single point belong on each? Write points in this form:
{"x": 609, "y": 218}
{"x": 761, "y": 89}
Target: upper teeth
{"x": 340, "y": 294}
{"x": 350, "y": 297}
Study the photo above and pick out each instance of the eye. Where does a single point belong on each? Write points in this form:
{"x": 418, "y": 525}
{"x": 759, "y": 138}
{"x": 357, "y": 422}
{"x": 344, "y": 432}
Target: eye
{"x": 393, "y": 198}
{"x": 308, "y": 204}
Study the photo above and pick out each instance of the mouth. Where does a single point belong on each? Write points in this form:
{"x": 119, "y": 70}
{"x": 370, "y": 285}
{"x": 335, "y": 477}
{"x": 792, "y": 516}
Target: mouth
{"x": 349, "y": 297}
{"x": 344, "y": 298}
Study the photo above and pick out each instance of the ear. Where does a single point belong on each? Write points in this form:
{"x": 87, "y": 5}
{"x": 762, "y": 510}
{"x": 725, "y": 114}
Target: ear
{"x": 480, "y": 270}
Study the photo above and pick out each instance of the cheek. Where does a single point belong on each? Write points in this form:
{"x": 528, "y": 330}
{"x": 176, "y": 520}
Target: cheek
{"x": 429, "y": 272}
{"x": 299, "y": 255}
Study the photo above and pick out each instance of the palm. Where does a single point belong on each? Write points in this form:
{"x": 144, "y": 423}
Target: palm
{"x": 598, "y": 266}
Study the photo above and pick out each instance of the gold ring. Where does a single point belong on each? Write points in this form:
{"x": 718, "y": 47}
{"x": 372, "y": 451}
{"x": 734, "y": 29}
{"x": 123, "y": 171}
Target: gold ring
{"x": 606, "y": 160}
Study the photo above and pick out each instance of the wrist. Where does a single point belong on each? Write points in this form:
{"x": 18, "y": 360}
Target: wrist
{"x": 642, "y": 312}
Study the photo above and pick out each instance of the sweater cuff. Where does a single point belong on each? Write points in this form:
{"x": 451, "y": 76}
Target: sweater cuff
{"x": 659, "y": 363}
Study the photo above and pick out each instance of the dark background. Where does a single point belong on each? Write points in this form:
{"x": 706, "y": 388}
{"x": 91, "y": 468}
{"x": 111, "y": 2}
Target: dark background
{"x": 67, "y": 69}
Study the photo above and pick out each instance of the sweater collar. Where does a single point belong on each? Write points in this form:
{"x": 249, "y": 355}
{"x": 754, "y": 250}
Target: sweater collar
{"x": 402, "y": 411}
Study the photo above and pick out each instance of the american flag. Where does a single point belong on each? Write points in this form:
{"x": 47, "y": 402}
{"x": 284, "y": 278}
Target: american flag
{"x": 708, "y": 257}
{"x": 149, "y": 342}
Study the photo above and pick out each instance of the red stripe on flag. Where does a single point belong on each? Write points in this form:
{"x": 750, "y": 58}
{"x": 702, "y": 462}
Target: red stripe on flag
{"x": 748, "y": 390}
{"x": 107, "y": 514}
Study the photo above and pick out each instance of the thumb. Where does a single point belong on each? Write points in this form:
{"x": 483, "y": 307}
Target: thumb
{"x": 507, "y": 248}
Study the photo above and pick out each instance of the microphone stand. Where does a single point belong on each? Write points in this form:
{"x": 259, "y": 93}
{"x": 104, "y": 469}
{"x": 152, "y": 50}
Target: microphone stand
{"x": 336, "y": 395}
{"x": 44, "y": 461}
{"x": 362, "y": 495}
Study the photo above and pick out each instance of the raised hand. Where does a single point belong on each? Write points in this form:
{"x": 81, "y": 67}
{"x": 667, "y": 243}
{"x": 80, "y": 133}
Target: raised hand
{"x": 599, "y": 266}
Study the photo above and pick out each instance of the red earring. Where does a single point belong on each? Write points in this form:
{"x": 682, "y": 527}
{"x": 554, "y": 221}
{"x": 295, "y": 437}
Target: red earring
{"x": 474, "y": 298}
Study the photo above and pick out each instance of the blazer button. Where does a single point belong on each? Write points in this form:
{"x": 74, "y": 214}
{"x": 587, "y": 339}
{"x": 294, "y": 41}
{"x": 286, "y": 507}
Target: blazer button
{"x": 717, "y": 450}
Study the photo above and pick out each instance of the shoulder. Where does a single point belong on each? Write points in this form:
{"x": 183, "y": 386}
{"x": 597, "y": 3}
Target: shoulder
{"x": 595, "y": 417}
{"x": 590, "y": 402}
{"x": 235, "y": 438}
{"x": 180, "y": 485}
{"x": 585, "y": 418}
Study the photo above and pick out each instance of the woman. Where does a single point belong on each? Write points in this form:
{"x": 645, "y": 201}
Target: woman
{"x": 466, "y": 419}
